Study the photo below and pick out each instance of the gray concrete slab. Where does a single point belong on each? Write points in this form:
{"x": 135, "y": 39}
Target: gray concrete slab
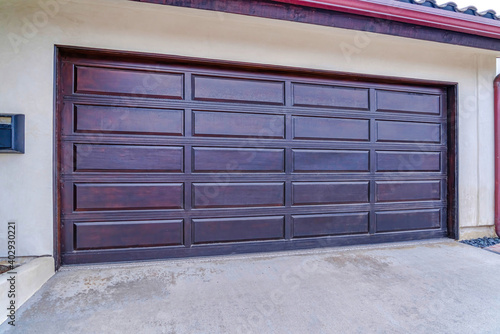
{"x": 432, "y": 287}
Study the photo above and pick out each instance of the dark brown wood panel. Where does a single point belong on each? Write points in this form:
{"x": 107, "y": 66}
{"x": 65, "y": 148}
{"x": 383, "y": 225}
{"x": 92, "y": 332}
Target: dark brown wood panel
{"x": 408, "y": 102}
{"x": 238, "y": 125}
{"x": 128, "y": 196}
{"x": 320, "y": 193}
{"x": 129, "y": 82}
{"x": 238, "y": 229}
{"x": 124, "y": 120}
{"x": 408, "y": 220}
{"x": 251, "y": 158}
{"x": 330, "y": 96}
{"x": 394, "y": 191}
{"x": 221, "y": 89}
{"x": 400, "y": 161}
{"x": 391, "y": 131}
{"x": 228, "y": 195}
{"x": 105, "y": 235}
{"x": 330, "y": 224}
{"x": 238, "y": 160}
{"x": 330, "y": 161}
{"x": 128, "y": 158}
{"x": 322, "y": 128}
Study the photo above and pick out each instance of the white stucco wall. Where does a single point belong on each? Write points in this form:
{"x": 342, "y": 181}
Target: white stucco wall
{"x": 29, "y": 30}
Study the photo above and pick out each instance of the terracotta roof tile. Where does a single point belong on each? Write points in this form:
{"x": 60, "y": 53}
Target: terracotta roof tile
{"x": 453, "y": 7}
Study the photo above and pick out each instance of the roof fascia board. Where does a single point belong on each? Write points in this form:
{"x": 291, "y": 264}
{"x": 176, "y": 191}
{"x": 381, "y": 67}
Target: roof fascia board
{"x": 409, "y": 13}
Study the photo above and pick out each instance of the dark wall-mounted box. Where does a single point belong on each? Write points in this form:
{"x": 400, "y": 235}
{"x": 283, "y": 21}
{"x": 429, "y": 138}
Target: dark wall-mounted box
{"x": 11, "y": 133}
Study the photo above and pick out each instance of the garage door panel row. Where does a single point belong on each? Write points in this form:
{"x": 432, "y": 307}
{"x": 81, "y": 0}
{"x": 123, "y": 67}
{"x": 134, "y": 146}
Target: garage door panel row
{"x": 170, "y": 196}
{"x": 171, "y": 84}
{"x": 230, "y": 123}
{"x": 108, "y": 158}
{"x": 170, "y": 233}
{"x": 170, "y": 122}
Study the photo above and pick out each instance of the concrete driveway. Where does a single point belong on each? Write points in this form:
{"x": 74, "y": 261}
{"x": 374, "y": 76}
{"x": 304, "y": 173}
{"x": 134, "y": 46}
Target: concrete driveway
{"x": 429, "y": 287}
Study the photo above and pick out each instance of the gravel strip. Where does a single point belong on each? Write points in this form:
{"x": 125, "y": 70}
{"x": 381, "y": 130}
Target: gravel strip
{"x": 482, "y": 242}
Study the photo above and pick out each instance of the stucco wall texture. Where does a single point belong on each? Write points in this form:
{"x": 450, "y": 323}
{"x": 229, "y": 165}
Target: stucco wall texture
{"x": 29, "y": 30}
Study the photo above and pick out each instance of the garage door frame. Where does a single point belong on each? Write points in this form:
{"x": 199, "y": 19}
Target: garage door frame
{"x": 452, "y": 140}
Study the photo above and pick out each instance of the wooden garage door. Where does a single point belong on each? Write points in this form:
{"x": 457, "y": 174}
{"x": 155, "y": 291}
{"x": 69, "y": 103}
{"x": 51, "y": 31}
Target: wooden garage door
{"x": 172, "y": 158}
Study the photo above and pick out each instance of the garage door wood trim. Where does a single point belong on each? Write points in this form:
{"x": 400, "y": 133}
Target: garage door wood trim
{"x": 190, "y": 146}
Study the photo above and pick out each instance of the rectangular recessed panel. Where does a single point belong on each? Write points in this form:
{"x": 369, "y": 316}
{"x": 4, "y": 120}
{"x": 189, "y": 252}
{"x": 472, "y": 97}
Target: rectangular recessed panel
{"x": 392, "y": 131}
{"x": 389, "y": 221}
{"x": 222, "y": 89}
{"x": 330, "y": 161}
{"x": 244, "y": 125}
{"x": 322, "y": 128}
{"x": 128, "y": 158}
{"x": 399, "y": 161}
{"x": 214, "y": 159}
{"x": 101, "y": 235}
{"x": 123, "y": 120}
{"x": 129, "y": 82}
{"x": 128, "y": 196}
{"x": 318, "y": 193}
{"x": 408, "y": 102}
{"x": 238, "y": 229}
{"x": 394, "y": 191}
{"x": 329, "y": 224}
{"x": 227, "y": 195}
{"x": 309, "y": 95}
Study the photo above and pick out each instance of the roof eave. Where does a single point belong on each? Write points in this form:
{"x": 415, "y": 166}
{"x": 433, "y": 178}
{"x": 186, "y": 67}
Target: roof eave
{"x": 409, "y": 13}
